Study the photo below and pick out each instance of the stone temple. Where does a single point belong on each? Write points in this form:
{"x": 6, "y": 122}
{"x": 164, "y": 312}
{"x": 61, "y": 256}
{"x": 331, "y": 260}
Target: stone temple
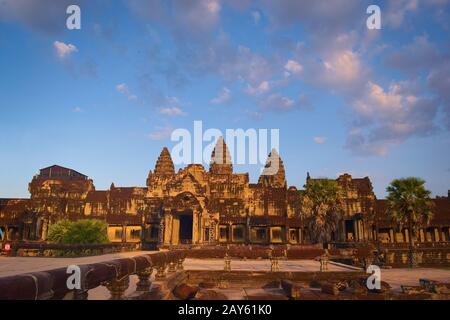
{"x": 199, "y": 207}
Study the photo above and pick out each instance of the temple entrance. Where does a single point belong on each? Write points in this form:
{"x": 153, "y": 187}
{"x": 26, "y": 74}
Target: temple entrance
{"x": 186, "y": 224}
{"x": 350, "y": 230}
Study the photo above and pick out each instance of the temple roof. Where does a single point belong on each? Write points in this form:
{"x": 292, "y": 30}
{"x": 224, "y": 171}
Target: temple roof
{"x": 59, "y": 172}
{"x": 221, "y": 159}
{"x": 273, "y": 174}
{"x": 440, "y": 209}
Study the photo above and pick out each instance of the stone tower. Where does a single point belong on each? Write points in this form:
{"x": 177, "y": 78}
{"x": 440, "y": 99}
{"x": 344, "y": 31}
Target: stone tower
{"x": 273, "y": 174}
{"x": 221, "y": 159}
{"x": 164, "y": 167}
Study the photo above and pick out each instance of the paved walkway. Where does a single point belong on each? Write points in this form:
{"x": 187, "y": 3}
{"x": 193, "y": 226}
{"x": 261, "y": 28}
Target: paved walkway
{"x": 17, "y": 265}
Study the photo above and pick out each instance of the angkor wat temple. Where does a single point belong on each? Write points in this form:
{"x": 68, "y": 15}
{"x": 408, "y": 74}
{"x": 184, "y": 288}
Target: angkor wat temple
{"x": 200, "y": 207}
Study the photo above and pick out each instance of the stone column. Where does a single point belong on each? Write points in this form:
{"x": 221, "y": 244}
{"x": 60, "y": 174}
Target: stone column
{"x": 172, "y": 267}
{"x": 363, "y": 238}
{"x": 212, "y": 232}
{"x": 161, "y": 272}
{"x": 144, "y": 283}
{"x": 117, "y": 287}
{"x": 161, "y": 231}
{"x": 180, "y": 264}
{"x": 167, "y": 228}
{"x": 392, "y": 236}
{"x": 227, "y": 261}
{"x": 44, "y": 229}
{"x": 124, "y": 233}
{"x": 195, "y": 226}
{"x": 421, "y": 235}
{"x": 436, "y": 235}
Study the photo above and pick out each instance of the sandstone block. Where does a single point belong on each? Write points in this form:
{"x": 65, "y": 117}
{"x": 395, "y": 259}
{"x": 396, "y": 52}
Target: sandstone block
{"x": 185, "y": 292}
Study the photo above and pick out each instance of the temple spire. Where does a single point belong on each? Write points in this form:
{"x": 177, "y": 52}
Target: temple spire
{"x": 273, "y": 174}
{"x": 164, "y": 166}
{"x": 221, "y": 159}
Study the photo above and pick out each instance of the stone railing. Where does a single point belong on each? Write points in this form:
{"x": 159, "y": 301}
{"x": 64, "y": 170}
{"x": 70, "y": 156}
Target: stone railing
{"x": 260, "y": 252}
{"x": 45, "y": 249}
{"x": 114, "y": 275}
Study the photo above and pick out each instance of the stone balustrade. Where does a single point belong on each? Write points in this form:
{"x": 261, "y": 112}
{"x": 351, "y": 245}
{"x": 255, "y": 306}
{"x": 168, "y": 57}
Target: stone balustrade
{"x": 45, "y": 249}
{"x": 114, "y": 275}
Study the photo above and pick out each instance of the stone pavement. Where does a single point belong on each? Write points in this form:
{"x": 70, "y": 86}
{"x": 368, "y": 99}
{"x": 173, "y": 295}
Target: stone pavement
{"x": 410, "y": 277}
{"x": 259, "y": 265}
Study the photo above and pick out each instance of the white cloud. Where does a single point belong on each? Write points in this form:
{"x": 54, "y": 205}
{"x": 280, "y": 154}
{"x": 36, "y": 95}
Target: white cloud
{"x": 262, "y": 88}
{"x": 385, "y": 118}
{"x": 340, "y": 68}
{"x": 171, "y": 106}
{"x": 223, "y": 97}
{"x": 256, "y": 17}
{"x": 160, "y": 133}
{"x": 77, "y": 110}
{"x": 293, "y": 66}
{"x": 276, "y": 102}
{"x": 172, "y": 111}
{"x": 320, "y": 140}
{"x": 397, "y": 11}
{"x": 63, "y": 50}
{"x": 123, "y": 89}
{"x": 185, "y": 19}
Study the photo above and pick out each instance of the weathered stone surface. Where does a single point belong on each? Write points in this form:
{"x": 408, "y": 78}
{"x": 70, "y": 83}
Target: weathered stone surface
{"x": 210, "y": 295}
{"x": 267, "y": 296}
{"x": 292, "y": 289}
{"x": 341, "y": 285}
{"x": 414, "y": 289}
{"x": 441, "y": 288}
{"x": 316, "y": 284}
{"x": 185, "y": 292}
{"x": 427, "y": 283}
{"x": 272, "y": 284}
{"x": 385, "y": 287}
{"x": 355, "y": 287}
{"x": 330, "y": 288}
{"x": 207, "y": 285}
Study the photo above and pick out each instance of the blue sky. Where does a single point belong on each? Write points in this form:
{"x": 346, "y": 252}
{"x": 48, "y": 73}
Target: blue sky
{"x": 104, "y": 99}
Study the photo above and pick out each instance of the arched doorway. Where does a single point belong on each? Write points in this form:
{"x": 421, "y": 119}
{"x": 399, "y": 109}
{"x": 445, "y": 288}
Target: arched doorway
{"x": 182, "y": 220}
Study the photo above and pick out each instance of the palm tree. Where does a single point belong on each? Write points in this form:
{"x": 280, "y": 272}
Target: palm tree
{"x": 322, "y": 206}
{"x": 409, "y": 204}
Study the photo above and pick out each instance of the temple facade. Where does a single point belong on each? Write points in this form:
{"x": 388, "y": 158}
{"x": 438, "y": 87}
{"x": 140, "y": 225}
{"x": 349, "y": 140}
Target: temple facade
{"x": 195, "y": 206}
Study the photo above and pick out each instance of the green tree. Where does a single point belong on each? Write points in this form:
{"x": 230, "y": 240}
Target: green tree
{"x": 409, "y": 204}
{"x": 78, "y": 232}
{"x": 322, "y": 206}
